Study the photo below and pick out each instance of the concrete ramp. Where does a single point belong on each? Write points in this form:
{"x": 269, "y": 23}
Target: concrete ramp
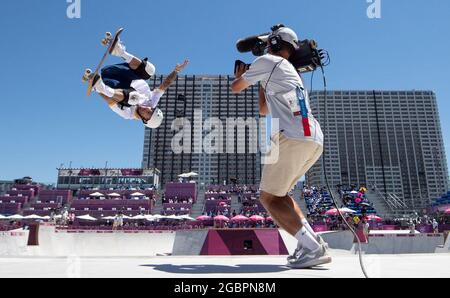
{"x": 54, "y": 243}
{"x": 446, "y": 247}
{"x": 189, "y": 243}
{"x": 389, "y": 243}
{"x": 13, "y": 242}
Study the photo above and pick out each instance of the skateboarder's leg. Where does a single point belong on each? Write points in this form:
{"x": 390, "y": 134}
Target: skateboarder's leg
{"x": 115, "y": 82}
{"x": 142, "y": 68}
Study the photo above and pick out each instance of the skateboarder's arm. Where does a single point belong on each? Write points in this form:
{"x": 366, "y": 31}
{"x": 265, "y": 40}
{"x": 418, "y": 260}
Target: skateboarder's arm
{"x": 172, "y": 76}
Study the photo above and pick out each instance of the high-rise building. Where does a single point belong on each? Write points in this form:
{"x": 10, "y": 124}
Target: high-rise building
{"x": 195, "y": 108}
{"x": 391, "y": 140}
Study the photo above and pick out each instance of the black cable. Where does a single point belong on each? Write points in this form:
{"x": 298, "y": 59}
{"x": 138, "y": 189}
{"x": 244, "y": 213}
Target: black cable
{"x": 361, "y": 262}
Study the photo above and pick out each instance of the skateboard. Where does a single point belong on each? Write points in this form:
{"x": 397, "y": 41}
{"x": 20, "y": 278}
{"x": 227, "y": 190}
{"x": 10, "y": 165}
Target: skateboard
{"x": 110, "y": 42}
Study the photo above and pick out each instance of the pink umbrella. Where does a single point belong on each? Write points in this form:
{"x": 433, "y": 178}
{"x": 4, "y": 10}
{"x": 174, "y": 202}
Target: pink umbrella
{"x": 204, "y": 218}
{"x": 447, "y": 211}
{"x": 269, "y": 219}
{"x": 257, "y": 218}
{"x": 239, "y": 218}
{"x": 221, "y": 218}
{"x": 374, "y": 217}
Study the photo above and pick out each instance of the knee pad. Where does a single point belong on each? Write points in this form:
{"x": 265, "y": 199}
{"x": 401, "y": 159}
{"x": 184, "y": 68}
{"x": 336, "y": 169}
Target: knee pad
{"x": 146, "y": 70}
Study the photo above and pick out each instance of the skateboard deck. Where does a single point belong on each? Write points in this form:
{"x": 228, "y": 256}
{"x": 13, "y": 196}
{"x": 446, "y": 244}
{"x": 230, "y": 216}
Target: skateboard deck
{"x": 110, "y": 41}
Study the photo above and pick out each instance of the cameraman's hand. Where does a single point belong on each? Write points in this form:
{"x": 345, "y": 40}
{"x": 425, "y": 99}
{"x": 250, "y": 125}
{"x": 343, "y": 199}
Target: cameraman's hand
{"x": 240, "y": 70}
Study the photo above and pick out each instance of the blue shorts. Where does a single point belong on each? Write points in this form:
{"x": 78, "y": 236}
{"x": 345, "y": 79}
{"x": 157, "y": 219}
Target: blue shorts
{"x": 119, "y": 76}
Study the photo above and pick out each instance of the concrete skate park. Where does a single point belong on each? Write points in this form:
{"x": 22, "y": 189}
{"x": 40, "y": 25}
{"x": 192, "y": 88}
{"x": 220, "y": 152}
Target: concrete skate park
{"x": 235, "y": 254}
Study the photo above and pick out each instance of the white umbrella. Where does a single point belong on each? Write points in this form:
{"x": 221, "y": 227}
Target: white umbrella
{"x": 96, "y": 194}
{"x": 150, "y": 218}
{"x": 87, "y": 217}
{"x": 353, "y": 191}
{"x": 2, "y": 217}
{"x": 188, "y": 175}
{"x": 137, "y": 194}
{"x": 115, "y": 195}
{"x": 186, "y": 217}
{"x": 34, "y": 216}
{"x": 17, "y": 216}
{"x": 347, "y": 210}
{"x": 139, "y": 217}
{"x": 46, "y": 217}
{"x": 108, "y": 218}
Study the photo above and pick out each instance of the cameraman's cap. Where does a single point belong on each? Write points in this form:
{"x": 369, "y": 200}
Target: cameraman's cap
{"x": 288, "y": 35}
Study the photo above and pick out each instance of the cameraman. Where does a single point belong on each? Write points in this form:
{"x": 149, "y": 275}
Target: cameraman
{"x": 300, "y": 141}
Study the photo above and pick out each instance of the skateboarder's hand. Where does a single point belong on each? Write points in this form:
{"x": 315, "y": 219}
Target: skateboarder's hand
{"x": 180, "y": 67}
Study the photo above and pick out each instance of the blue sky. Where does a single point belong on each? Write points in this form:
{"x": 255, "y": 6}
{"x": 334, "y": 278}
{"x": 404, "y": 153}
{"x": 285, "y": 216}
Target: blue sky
{"x": 46, "y": 120}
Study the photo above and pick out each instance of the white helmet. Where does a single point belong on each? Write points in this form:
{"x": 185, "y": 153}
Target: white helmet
{"x": 286, "y": 34}
{"x": 156, "y": 120}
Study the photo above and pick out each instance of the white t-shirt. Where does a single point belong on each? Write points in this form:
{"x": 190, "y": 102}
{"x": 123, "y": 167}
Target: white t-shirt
{"x": 151, "y": 100}
{"x": 286, "y": 97}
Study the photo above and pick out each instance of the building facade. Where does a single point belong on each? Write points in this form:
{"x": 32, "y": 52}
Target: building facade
{"x": 215, "y": 128}
{"x": 388, "y": 139}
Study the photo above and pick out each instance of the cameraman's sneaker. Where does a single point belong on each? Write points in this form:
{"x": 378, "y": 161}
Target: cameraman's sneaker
{"x": 308, "y": 259}
{"x": 319, "y": 239}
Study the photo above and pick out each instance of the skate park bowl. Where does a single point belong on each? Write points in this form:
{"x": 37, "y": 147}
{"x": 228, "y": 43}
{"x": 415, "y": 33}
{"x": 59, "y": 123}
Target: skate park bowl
{"x": 53, "y": 242}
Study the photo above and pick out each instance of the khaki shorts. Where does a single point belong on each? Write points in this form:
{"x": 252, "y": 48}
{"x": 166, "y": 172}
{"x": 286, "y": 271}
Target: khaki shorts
{"x": 295, "y": 159}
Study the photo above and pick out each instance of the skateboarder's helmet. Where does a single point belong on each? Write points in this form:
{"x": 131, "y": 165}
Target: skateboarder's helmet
{"x": 156, "y": 120}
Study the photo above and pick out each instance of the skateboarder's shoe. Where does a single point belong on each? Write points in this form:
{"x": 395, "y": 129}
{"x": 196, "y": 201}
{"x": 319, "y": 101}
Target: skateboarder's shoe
{"x": 119, "y": 49}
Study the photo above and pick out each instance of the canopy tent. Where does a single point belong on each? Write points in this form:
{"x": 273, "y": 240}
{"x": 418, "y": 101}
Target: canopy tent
{"x": 114, "y": 195}
{"x": 188, "y": 175}
{"x": 15, "y": 217}
{"x": 137, "y": 194}
{"x": 96, "y": 194}
{"x": 33, "y": 216}
{"x": 87, "y": 217}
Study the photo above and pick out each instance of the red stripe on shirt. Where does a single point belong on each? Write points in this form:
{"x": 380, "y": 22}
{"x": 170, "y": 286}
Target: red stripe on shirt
{"x": 306, "y": 127}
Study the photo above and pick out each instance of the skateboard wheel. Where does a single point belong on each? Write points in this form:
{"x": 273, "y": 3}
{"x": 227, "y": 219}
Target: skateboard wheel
{"x": 105, "y": 42}
{"x": 108, "y": 34}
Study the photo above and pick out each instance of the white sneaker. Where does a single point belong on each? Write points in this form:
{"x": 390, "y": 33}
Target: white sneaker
{"x": 308, "y": 259}
{"x": 119, "y": 49}
{"x": 319, "y": 239}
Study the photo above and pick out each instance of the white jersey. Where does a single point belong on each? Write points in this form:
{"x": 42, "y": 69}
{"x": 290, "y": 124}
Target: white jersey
{"x": 151, "y": 100}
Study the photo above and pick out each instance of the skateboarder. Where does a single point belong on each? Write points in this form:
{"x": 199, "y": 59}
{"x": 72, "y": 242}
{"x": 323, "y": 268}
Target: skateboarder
{"x": 126, "y": 91}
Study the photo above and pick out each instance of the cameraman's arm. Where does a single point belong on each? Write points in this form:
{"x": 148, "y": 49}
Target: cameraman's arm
{"x": 239, "y": 84}
{"x": 263, "y": 108}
